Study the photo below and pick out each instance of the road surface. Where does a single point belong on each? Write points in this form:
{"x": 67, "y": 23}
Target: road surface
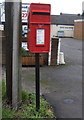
{"x": 61, "y": 85}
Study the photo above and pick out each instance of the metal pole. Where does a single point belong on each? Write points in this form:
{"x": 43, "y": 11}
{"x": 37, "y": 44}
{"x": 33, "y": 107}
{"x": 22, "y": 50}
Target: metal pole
{"x": 37, "y": 82}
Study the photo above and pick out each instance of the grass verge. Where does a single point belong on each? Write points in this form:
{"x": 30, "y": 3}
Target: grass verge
{"x": 27, "y": 108}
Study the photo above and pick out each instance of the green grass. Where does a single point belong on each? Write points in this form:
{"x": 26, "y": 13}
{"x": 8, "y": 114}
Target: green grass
{"x": 3, "y": 89}
{"x": 28, "y": 108}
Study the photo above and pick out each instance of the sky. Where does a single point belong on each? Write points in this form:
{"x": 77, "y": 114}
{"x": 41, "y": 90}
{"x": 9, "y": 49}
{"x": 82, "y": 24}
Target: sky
{"x": 60, "y": 6}
{"x": 64, "y": 6}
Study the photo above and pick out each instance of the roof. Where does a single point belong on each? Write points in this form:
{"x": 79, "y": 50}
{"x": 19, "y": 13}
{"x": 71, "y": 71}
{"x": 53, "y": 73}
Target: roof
{"x": 79, "y": 20}
{"x": 65, "y": 19}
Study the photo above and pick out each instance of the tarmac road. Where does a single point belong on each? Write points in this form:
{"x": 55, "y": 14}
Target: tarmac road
{"x": 61, "y": 85}
{"x": 67, "y": 81}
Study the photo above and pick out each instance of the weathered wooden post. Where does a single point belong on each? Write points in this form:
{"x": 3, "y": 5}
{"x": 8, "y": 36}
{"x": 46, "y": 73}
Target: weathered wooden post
{"x": 13, "y": 48}
{"x": 9, "y": 46}
{"x": 0, "y": 75}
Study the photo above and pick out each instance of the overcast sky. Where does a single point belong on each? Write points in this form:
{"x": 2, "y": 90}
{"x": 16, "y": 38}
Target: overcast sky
{"x": 58, "y": 6}
{"x": 64, "y": 6}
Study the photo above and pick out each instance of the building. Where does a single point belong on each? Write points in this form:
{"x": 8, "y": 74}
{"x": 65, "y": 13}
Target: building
{"x": 78, "y": 29}
{"x": 63, "y": 25}
{"x": 79, "y": 26}
{"x": 2, "y": 12}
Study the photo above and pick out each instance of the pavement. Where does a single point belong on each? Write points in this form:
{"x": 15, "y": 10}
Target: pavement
{"x": 61, "y": 85}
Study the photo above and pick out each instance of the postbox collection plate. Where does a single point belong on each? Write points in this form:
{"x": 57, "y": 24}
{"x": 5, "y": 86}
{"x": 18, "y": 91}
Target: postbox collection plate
{"x": 40, "y": 37}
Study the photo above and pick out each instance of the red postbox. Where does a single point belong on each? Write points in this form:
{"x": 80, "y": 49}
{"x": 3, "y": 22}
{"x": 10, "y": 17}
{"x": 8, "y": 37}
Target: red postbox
{"x": 39, "y": 28}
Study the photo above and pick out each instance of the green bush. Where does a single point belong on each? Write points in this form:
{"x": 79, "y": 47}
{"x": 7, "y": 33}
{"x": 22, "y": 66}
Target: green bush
{"x": 25, "y": 53}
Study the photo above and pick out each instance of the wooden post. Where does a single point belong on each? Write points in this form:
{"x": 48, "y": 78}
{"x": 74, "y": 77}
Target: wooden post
{"x": 13, "y": 56}
{"x": 0, "y": 75}
{"x": 9, "y": 47}
{"x": 16, "y": 79}
{"x": 19, "y": 52}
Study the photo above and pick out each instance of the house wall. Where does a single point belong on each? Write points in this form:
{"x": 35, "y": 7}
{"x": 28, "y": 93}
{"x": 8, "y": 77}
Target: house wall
{"x": 68, "y": 30}
{"x": 78, "y": 29}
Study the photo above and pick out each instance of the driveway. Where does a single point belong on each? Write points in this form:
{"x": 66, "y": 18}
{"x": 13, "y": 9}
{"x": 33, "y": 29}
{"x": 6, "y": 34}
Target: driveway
{"x": 61, "y": 85}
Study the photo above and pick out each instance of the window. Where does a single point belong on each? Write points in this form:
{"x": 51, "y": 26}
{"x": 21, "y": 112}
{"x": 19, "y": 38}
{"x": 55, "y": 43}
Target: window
{"x": 61, "y": 28}
{"x": 66, "y": 28}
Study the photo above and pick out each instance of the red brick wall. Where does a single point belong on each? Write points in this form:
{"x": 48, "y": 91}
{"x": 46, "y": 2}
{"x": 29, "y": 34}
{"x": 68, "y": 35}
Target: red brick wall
{"x": 78, "y": 30}
{"x": 54, "y": 50}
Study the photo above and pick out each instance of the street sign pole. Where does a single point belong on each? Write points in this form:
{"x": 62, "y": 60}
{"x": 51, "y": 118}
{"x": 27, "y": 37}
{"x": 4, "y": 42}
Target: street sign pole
{"x": 37, "y": 82}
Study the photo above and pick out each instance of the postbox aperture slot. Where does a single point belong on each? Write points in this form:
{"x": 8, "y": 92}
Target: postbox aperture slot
{"x": 40, "y": 37}
{"x": 41, "y": 13}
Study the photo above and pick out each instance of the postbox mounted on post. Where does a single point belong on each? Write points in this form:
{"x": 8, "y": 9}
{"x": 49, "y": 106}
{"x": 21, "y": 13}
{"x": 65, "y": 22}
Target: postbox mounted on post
{"x": 39, "y": 28}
